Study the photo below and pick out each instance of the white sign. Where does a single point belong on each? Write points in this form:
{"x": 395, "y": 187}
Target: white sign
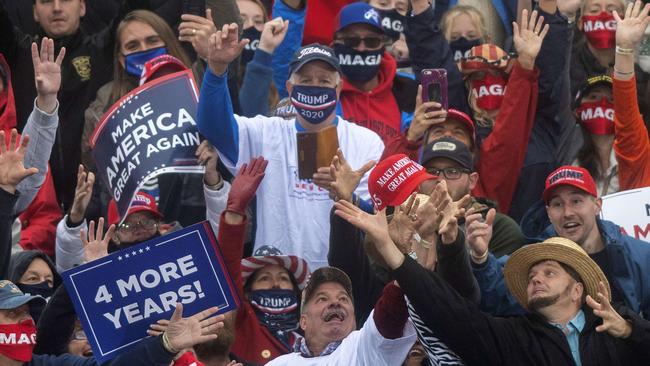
{"x": 630, "y": 210}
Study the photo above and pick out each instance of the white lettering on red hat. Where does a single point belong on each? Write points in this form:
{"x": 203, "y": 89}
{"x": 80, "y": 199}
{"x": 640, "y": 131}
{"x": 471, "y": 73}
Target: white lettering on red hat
{"x": 309, "y": 50}
{"x": 411, "y": 168}
{"x": 566, "y": 174}
{"x": 598, "y": 112}
{"x": 372, "y": 14}
{"x": 590, "y": 25}
{"x": 141, "y": 198}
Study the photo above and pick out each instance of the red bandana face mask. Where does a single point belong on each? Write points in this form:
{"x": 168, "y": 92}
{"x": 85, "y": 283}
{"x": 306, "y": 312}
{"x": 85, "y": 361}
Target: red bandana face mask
{"x": 489, "y": 91}
{"x": 17, "y": 341}
{"x": 597, "y": 117}
{"x": 600, "y": 30}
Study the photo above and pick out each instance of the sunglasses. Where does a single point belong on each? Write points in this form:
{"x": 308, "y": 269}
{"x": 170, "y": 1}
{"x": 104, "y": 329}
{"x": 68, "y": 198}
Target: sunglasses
{"x": 370, "y": 42}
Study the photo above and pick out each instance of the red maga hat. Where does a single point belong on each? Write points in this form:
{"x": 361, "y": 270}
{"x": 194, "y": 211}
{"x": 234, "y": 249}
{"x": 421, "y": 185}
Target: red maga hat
{"x": 394, "y": 179}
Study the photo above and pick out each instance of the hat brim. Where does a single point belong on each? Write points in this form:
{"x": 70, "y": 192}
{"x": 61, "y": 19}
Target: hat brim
{"x": 408, "y": 188}
{"x": 296, "y": 67}
{"x": 136, "y": 209}
{"x": 17, "y": 301}
{"x": 519, "y": 264}
{"x": 295, "y": 265}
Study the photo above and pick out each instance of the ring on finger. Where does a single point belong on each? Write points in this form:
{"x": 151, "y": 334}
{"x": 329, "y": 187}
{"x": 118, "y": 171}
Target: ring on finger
{"x": 193, "y": 31}
{"x": 413, "y": 217}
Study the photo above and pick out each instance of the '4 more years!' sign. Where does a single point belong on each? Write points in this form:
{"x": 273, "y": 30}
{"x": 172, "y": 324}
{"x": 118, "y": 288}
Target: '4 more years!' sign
{"x": 117, "y": 297}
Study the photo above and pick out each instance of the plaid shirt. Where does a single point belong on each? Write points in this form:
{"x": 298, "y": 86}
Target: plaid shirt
{"x": 301, "y": 347}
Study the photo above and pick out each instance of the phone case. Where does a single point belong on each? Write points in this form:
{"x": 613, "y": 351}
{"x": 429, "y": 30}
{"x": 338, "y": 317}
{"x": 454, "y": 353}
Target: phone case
{"x": 194, "y": 7}
{"x": 434, "y": 86}
{"x": 315, "y": 150}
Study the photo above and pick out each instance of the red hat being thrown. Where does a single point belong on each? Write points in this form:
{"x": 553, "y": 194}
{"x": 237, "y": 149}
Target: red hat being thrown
{"x": 572, "y": 176}
{"x": 141, "y": 202}
{"x": 394, "y": 179}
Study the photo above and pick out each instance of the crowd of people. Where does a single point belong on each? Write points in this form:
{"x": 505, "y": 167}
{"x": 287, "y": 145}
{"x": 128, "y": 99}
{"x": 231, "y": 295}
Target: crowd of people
{"x": 456, "y": 222}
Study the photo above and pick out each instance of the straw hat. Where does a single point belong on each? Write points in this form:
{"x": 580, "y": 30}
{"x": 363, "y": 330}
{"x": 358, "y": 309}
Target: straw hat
{"x": 556, "y": 249}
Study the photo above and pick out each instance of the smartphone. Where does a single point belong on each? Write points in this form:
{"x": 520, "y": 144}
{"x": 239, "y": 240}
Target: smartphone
{"x": 194, "y": 7}
{"x": 434, "y": 86}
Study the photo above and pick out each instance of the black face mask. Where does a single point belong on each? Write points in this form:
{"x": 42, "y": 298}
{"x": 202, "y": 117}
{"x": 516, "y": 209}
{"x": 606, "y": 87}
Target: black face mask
{"x": 356, "y": 65}
{"x": 249, "y": 50}
{"x": 461, "y": 47}
{"x": 392, "y": 22}
{"x": 41, "y": 289}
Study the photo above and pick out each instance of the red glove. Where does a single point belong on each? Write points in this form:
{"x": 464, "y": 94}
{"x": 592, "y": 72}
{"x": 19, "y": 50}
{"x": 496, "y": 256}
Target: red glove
{"x": 245, "y": 185}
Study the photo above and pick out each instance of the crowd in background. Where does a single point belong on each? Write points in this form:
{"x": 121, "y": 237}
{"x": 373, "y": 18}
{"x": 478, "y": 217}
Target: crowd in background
{"x": 458, "y": 222}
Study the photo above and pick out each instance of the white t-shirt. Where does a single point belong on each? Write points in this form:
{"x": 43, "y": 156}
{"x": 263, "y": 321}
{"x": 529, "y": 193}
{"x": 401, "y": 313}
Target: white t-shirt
{"x": 361, "y": 347}
{"x": 293, "y": 214}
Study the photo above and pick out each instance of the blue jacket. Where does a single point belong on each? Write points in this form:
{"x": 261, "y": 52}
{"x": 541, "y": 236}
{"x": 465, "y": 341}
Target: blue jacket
{"x": 629, "y": 263}
{"x": 150, "y": 352}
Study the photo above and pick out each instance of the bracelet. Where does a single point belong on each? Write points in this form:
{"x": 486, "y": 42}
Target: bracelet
{"x": 425, "y": 244}
{"x": 478, "y": 258}
{"x": 624, "y": 51}
{"x": 623, "y": 73}
{"x": 167, "y": 344}
{"x": 217, "y": 186}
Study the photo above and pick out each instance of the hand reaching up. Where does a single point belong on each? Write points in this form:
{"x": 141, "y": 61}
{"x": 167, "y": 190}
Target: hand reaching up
{"x": 82, "y": 194}
{"x": 478, "y": 234}
{"x": 245, "y": 185}
{"x": 273, "y": 34}
{"x": 47, "y": 73}
{"x": 528, "y": 37}
{"x": 197, "y": 30}
{"x": 183, "y": 333}
{"x": 96, "y": 245}
{"x": 613, "y": 322}
{"x": 12, "y": 170}
{"x": 224, "y": 46}
{"x": 344, "y": 179}
{"x": 630, "y": 30}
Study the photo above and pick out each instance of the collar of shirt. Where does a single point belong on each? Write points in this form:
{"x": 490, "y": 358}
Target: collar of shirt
{"x": 572, "y": 333}
{"x": 301, "y": 347}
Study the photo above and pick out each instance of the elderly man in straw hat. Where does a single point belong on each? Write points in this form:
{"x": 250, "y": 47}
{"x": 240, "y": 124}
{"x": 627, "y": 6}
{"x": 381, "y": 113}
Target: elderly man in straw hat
{"x": 571, "y": 320}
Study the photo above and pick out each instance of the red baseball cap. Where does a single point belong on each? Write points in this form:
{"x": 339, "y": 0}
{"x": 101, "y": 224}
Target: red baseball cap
{"x": 465, "y": 120}
{"x": 161, "y": 66}
{"x": 141, "y": 202}
{"x": 572, "y": 176}
{"x": 394, "y": 179}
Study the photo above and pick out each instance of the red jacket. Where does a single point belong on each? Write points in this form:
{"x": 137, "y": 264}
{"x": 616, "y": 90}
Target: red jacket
{"x": 376, "y": 109}
{"x": 501, "y": 155}
{"x": 253, "y": 341}
{"x": 321, "y": 20}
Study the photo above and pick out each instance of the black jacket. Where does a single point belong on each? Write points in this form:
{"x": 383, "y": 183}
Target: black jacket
{"x": 7, "y": 202}
{"x": 481, "y": 339}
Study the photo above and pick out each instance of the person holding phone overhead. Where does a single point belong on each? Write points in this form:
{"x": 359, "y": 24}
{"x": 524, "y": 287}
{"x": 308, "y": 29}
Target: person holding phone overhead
{"x": 292, "y": 213}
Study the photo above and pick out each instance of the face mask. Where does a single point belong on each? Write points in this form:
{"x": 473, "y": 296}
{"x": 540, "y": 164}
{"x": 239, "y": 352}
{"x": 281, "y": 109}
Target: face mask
{"x": 600, "y": 30}
{"x": 17, "y": 341}
{"x": 41, "y": 289}
{"x": 392, "y": 22}
{"x": 461, "y": 47}
{"x": 249, "y": 50}
{"x": 135, "y": 61}
{"x": 597, "y": 117}
{"x": 356, "y": 65}
{"x": 489, "y": 91}
{"x": 277, "y": 310}
{"x": 313, "y": 103}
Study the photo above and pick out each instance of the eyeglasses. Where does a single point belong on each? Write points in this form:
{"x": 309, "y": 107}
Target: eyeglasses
{"x": 448, "y": 173}
{"x": 370, "y": 42}
{"x": 80, "y": 335}
{"x": 132, "y": 227}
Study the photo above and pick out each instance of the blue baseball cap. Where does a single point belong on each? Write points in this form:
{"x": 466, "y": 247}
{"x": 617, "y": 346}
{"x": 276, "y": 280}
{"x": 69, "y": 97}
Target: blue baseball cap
{"x": 359, "y": 13}
{"x": 313, "y": 52}
{"x": 11, "y": 297}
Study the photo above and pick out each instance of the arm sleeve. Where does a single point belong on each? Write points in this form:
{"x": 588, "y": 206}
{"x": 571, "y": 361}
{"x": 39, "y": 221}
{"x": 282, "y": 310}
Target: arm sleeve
{"x": 40, "y": 219}
{"x": 454, "y": 266}
{"x": 56, "y": 324}
{"x": 216, "y": 120}
{"x": 346, "y": 253}
{"x": 631, "y": 143}
{"x": 215, "y": 204}
{"x": 292, "y": 41}
{"x": 400, "y": 145}
{"x": 639, "y": 339}
{"x": 503, "y": 152}
{"x": 7, "y": 202}
{"x": 69, "y": 249}
{"x": 428, "y": 49}
{"x": 374, "y": 349}
{"x": 231, "y": 241}
{"x": 390, "y": 313}
{"x": 254, "y": 92}
{"x": 495, "y": 297}
{"x": 41, "y": 129}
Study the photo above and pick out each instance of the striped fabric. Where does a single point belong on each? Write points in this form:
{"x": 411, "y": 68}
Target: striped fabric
{"x": 295, "y": 265}
{"x": 438, "y": 354}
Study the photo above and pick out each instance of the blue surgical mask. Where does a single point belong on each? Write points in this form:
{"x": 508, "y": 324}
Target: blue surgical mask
{"x": 313, "y": 103}
{"x": 135, "y": 61}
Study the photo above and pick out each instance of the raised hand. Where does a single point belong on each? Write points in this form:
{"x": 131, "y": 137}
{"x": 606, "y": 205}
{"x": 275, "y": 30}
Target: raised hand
{"x": 207, "y": 155}
{"x": 47, "y": 73}
{"x": 224, "y": 47}
{"x": 12, "y": 170}
{"x": 438, "y": 210}
{"x": 528, "y": 37}
{"x": 245, "y": 185}
{"x": 402, "y": 227}
{"x": 613, "y": 323}
{"x": 478, "y": 234}
{"x": 184, "y": 333}
{"x": 82, "y": 194}
{"x": 344, "y": 179}
{"x": 630, "y": 31}
{"x": 273, "y": 34}
{"x": 197, "y": 30}
{"x": 422, "y": 119}
{"x": 96, "y": 245}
